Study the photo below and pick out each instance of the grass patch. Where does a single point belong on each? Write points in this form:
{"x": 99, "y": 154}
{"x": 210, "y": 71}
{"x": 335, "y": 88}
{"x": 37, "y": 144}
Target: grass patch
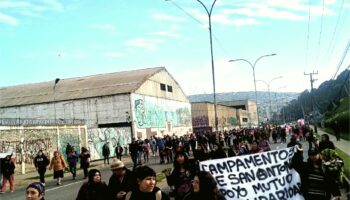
{"x": 160, "y": 176}
{"x": 344, "y": 136}
{"x": 346, "y": 160}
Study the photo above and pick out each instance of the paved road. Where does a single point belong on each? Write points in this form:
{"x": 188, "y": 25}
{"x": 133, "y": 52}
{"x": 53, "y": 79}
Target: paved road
{"x": 69, "y": 188}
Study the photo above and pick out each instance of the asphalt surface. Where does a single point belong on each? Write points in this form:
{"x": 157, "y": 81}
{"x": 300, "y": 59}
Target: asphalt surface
{"x": 69, "y": 188}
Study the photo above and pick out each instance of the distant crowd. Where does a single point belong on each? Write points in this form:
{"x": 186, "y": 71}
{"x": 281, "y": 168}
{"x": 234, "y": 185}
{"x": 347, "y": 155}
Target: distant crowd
{"x": 320, "y": 174}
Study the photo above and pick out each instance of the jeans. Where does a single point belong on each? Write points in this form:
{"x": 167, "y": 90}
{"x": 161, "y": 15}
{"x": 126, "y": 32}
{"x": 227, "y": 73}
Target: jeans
{"x": 73, "y": 170}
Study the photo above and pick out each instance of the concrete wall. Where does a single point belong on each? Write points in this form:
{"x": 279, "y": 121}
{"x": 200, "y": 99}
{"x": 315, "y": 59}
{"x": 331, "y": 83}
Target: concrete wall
{"x": 200, "y": 115}
{"x": 99, "y": 110}
{"x": 203, "y": 115}
{"x": 158, "y": 116}
{"x": 25, "y": 142}
{"x": 97, "y": 137}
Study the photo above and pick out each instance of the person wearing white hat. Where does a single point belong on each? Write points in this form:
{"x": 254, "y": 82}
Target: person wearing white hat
{"x": 121, "y": 181}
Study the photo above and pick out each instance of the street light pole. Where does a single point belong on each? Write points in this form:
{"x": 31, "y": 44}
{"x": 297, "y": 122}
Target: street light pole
{"x": 268, "y": 89}
{"x": 278, "y": 116}
{"x": 253, "y": 67}
{"x": 209, "y": 12}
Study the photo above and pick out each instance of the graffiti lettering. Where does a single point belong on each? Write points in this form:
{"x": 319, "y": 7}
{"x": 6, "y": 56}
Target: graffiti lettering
{"x": 200, "y": 121}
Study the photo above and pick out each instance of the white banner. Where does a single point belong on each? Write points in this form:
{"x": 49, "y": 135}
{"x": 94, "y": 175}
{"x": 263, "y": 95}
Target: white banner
{"x": 261, "y": 176}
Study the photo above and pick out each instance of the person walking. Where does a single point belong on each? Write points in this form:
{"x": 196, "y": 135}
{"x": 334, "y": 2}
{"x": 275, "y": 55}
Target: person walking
{"x": 325, "y": 143}
{"x": 181, "y": 176}
{"x": 145, "y": 148}
{"x": 121, "y": 181}
{"x": 72, "y": 159}
{"x": 119, "y": 151}
{"x": 58, "y": 165}
{"x": 146, "y": 186}
{"x": 94, "y": 188}
{"x": 105, "y": 153}
{"x": 8, "y": 171}
{"x": 84, "y": 161}
{"x": 133, "y": 152}
{"x": 41, "y": 162}
{"x": 204, "y": 187}
{"x": 35, "y": 191}
{"x": 315, "y": 182}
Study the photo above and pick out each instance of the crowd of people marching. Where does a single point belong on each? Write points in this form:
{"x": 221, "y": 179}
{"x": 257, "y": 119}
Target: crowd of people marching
{"x": 320, "y": 174}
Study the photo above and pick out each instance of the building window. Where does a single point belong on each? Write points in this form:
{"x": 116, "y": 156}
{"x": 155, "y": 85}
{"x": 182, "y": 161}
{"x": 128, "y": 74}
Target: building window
{"x": 162, "y": 87}
{"x": 245, "y": 119}
{"x": 170, "y": 88}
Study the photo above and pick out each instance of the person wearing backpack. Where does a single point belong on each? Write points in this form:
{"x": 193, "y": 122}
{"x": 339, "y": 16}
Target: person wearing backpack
{"x": 41, "y": 162}
{"x": 146, "y": 186}
{"x": 316, "y": 183}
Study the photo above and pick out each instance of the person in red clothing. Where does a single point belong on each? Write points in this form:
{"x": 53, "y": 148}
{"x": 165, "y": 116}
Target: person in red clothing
{"x": 8, "y": 171}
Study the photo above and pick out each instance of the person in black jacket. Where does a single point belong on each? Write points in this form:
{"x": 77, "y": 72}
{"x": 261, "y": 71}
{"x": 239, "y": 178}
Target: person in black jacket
{"x": 121, "y": 181}
{"x": 146, "y": 186}
{"x": 325, "y": 143}
{"x": 94, "y": 188}
{"x": 105, "y": 153}
{"x": 181, "y": 175}
{"x": 8, "y": 171}
{"x": 315, "y": 182}
{"x": 41, "y": 162}
{"x": 217, "y": 152}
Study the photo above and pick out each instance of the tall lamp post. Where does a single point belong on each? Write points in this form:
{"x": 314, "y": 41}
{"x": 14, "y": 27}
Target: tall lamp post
{"x": 253, "y": 67}
{"x": 209, "y": 12}
{"x": 278, "y": 118}
{"x": 268, "y": 89}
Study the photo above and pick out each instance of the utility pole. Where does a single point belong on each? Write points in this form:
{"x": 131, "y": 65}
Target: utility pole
{"x": 312, "y": 88}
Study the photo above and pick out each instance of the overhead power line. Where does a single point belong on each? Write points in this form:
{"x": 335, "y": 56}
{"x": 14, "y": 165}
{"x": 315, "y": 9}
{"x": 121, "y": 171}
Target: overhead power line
{"x": 334, "y": 32}
{"x": 308, "y": 36}
{"x": 201, "y": 23}
{"x": 342, "y": 59}
{"x": 320, "y": 35}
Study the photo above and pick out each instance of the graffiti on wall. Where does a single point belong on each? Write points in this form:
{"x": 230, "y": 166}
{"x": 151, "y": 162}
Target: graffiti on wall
{"x": 69, "y": 136}
{"x": 201, "y": 121}
{"x": 25, "y": 143}
{"x": 151, "y": 112}
{"x": 99, "y": 136}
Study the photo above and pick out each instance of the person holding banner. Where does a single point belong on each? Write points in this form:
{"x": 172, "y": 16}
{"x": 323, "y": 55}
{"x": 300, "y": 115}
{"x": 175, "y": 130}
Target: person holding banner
{"x": 204, "y": 188}
{"x": 217, "y": 152}
{"x": 316, "y": 183}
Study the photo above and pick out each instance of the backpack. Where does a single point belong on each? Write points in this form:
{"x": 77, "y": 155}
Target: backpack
{"x": 333, "y": 165}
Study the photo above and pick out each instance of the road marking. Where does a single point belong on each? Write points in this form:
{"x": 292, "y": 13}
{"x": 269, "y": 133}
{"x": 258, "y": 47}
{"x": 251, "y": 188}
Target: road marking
{"x": 62, "y": 186}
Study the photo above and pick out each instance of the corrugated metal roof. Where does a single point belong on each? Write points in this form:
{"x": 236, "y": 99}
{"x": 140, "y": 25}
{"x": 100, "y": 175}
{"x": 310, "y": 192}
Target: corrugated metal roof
{"x": 76, "y": 88}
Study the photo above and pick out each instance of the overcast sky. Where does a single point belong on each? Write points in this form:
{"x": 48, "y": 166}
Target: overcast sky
{"x": 46, "y": 39}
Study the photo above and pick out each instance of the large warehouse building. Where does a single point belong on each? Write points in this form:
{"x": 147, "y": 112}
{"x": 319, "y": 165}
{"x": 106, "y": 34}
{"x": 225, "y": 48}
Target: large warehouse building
{"x": 102, "y": 108}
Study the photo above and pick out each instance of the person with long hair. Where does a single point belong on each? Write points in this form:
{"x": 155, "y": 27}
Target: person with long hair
{"x": 204, "y": 187}
{"x": 94, "y": 188}
{"x": 181, "y": 176}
